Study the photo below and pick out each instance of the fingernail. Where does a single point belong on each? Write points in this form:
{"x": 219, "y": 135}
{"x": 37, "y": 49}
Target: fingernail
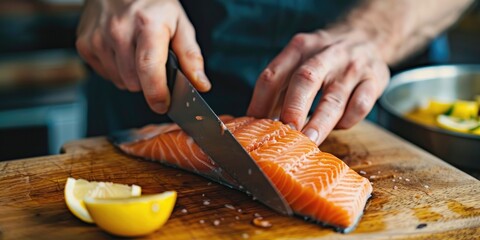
{"x": 202, "y": 78}
{"x": 292, "y": 126}
{"x": 312, "y": 134}
{"x": 160, "y": 107}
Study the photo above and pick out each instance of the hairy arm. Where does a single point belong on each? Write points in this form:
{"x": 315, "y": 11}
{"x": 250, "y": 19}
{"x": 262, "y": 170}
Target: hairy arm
{"x": 401, "y": 27}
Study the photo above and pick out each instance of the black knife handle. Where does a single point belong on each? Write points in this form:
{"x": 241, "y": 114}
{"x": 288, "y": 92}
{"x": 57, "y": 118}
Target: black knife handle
{"x": 172, "y": 68}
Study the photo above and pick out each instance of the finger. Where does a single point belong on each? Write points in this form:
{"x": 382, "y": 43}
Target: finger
{"x": 150, "y": 57}
{"x": 83, "y": 49}
{"x": 185, "y": 46}
{"x": 360, "y": 104}
{"x": 307, "y": 80}
{"x": 120, "y": 37}
{"x": 278, "y": 104}
{"x": 365, "y": 95}
{"x": 269, "y": 85}
{"x": 106, "y": 57}
{"x": 332, "y": 105}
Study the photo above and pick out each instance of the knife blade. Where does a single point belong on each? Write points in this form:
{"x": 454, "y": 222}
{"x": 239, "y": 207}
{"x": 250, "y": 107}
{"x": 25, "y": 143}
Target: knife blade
{"x": 190, "y": 111}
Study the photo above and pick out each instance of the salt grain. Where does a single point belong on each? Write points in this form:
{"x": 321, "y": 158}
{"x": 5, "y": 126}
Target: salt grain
{"x": 203, "y": 194}
{"x": 193, "y": 99}
{"x": 239, "y": 210}
{"x": 199, "y": 118}
{"x": 237, "y": 217}
{"x": 209, "y": 183}
{"x": 259, "y": 222}
{"x": 202, "y": 221}
{"x": 216, "y": 222}
{"x": 206, "y": 202}
{"x": 406, "y": 179}
{"x": 229, "y": 206}
{"x": 395, "y": 187}
{"x": 362, "y": 172}
{"x": 257, "y": 215}
{"x": 426, "y": 186}
{"x": 373, "y": 177}
{"x": 184, "y": 210}
{"x": 400, "y": 178}
{"x": 187, "y": 104}
{"x": 393, "y": 180}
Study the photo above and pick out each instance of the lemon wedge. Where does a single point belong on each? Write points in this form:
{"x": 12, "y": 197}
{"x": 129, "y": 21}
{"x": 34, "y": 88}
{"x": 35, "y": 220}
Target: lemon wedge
{"x": 77, "y": 189}
{"x": 438, "y": 107}
{"x": 465, "y": 109}
{"x": 132, "y": 217}
{"x": 457, "y": 124}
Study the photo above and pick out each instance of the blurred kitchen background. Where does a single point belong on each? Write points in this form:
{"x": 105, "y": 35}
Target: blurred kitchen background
{"x": 42, "y": 102}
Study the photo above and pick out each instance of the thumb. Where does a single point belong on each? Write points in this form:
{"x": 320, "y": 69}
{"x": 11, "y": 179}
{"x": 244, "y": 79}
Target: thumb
{"x": 189, "y": 55}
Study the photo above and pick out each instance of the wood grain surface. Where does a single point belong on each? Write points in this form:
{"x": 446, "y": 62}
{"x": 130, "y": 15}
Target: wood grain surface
{"x": 416, "y": 196}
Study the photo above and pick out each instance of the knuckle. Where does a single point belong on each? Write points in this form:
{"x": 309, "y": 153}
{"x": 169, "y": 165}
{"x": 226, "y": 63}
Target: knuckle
{"x": 354, "y": 67}
{"x": 334, "y": 100}
{"x": 299, "y": 41}
{"x": 362, "y": 105}
{"x": 307, "y": 75}
{"x": 322, "y": 34}
{"x": 143, "y": 18}
{"x": 193, "y": 53}
{"x": 267, "y": 78}
{"x": 146, "y": 62}
{"x": 117, "y": 32}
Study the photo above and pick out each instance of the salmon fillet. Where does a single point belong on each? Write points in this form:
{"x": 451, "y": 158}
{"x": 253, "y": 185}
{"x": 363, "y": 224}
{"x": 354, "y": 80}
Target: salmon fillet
{"x": 315, "y": 184}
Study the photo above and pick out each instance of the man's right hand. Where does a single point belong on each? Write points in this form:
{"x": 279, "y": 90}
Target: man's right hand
{"x": 127, "y": 42}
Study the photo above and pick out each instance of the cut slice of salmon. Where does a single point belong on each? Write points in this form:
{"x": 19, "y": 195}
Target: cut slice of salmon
{"x": 315, "y": 184}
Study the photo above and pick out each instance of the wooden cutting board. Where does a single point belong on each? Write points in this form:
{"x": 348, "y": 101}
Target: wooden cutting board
{"x": 415, "y": 194}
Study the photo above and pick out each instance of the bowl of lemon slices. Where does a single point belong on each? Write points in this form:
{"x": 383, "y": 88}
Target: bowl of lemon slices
{"x": 437, "y": 108}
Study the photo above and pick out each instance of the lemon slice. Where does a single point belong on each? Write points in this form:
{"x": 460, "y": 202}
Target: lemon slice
{"x": 438, "y": 107}
{"x": 465, "y": 109}
{"x": 77, "y": 190}
{"x": 132, "y": 217}
{"x": 476, "y": 130}
{"x": 457, "y": 124}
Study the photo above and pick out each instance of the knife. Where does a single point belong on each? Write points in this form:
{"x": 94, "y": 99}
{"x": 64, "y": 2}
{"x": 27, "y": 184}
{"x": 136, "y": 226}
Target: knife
{"x": 197, "y": 119}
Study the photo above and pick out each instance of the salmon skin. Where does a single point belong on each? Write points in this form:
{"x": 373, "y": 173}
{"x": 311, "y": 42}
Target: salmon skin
{"x": 316, "y": 185}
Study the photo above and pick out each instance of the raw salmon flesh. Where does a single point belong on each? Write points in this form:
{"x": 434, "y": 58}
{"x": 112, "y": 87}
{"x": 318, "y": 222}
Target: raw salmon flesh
{"x": 315, "y": 184}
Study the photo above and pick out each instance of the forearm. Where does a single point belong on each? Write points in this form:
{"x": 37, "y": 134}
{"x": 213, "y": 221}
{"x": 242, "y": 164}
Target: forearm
{"x": 400, "y": 27}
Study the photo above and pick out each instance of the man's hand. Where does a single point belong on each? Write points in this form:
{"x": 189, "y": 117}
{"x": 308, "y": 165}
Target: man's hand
{"x": 127, "y": 42}
{"x": 347, "y": 63}
{"x": 341, "y": 63}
